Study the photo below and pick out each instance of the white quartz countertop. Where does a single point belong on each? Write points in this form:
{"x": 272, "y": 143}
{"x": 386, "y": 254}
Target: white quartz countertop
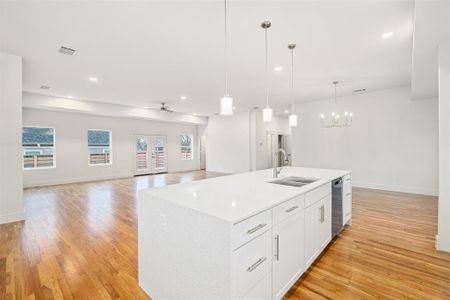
{"x": 234, "y": 198}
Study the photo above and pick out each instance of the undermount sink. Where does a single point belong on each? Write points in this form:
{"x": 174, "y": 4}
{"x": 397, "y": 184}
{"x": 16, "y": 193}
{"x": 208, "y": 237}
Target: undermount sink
{"x": 294, "y": 181}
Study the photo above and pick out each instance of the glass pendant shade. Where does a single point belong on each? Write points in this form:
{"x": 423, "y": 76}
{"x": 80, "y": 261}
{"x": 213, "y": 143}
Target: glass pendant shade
{"x": 293, "y": 120}
{"x": 267, "y": 114}
{"x": 226, "y": 106}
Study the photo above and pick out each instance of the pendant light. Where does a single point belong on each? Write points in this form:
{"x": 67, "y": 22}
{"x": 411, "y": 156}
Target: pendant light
{"x": 226, "y": 102}
{"x": 267, "y": 112}
{"x": 335, "y": 118}
{"x": 293, "y": 119}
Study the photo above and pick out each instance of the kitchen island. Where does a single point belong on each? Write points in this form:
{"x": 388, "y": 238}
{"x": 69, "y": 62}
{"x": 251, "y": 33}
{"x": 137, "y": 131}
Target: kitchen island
{"x": 235, "y": 237}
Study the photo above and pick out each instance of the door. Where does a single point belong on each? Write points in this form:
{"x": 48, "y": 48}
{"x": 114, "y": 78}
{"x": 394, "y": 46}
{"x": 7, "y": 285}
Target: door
{"x": 325, "y": 224}
{"x": 288, "y": 260}
{"x": 312, "y": 219}
{"x": 203, "y": 152}
{"x": 346, "y": 202}
{"x": 151, "y": 157}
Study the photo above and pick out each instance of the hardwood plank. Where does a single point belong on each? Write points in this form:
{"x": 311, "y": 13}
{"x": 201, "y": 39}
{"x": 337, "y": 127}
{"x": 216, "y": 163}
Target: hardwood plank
{"x": 79, "y": 241}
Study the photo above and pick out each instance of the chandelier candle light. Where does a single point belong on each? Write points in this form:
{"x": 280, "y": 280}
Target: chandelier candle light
{"x": 226, "y": 102}
{"x": 267, "y": 112}
{"x": 336, "y": 119}
{"x": 293, "y": 119}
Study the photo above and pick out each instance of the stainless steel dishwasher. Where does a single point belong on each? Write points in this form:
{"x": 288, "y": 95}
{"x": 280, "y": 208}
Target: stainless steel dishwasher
{"x": 336, "y": 201}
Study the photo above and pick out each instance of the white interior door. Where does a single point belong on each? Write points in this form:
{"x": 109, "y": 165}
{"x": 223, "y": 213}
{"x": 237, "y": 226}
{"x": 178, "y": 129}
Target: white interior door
{"x": 151, "y": 154}
{"x": 203, "y": 152}
{"x": 158, "y": 154}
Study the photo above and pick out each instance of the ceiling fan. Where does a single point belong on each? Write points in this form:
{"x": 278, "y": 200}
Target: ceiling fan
{"x": 164, "y": 107}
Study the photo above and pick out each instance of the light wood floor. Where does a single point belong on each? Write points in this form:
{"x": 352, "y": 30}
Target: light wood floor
{"x": 79, "y": 241}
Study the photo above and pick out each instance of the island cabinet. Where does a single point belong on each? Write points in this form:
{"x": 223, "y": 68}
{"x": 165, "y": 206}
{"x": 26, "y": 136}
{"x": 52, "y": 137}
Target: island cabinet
{"x": 317, "y": 222}
{"x": 288, "y": 246}
{"x": 347, "y": 198}
{"x": 187, "y": 253}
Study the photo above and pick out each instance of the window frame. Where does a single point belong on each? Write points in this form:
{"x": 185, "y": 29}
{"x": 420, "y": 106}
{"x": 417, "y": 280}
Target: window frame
{"x": 192, "y": 147}
{"x": 54, "y": 149}
{"x": 110, "y": 147}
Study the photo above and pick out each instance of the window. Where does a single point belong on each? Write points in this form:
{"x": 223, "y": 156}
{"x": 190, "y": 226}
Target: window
{"x": 38, "y": 144}
{"x": 187, "y": 146}
{"x": 99, "y": 144}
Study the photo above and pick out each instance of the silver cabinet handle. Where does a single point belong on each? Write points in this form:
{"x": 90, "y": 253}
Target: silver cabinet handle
{"x": 277, "y": 254}
{"x": 322, "y": 213}
{"x": 291, "y": 209}
{"x": 256, "y": 264}
{"x": 256, "y": 228}
{"x": 348, "y": 194}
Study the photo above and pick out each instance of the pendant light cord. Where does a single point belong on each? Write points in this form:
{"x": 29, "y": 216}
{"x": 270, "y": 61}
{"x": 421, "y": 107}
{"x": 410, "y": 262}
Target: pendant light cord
{"x": 267, "y": 70}
{"x": 226, "y": 50}
{"x": 335, "y": 94}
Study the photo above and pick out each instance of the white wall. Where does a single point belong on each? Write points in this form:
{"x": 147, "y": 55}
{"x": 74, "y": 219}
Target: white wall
{"x": 392, "y": 144}
{"x": 279, "y": 125}
{"x": 72, "y": 153}
{"x": 11, "y": 198}
{"x": 238, "y": 143}
{"x": 228, "y": 143}
{"x": 443, "y": 241}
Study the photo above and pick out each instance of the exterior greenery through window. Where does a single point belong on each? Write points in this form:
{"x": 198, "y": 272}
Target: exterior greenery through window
{"x": 38, "y": 144}
{"x": 99, "y": 144}
{"x": 187, "y": 146}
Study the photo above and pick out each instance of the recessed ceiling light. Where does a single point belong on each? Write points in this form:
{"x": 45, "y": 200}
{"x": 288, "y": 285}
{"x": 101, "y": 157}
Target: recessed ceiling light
{"x": 278, "y": 68}
{"x": 70, "y": 97}
{"x": 286, "y": 111}
{"x": 387, "y": 34}
{"x": 93, "y": 79}
{"x": 183, "y": 97}
{"x": 194, "y": 114}
{"x": 45, "y": 87}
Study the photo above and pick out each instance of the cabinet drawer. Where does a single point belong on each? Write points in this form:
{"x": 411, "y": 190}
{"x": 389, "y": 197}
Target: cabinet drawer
{"x": 315, "y": 195}
{"x": 250, "y": 228}
{"x": 347, "y": 178}
{"x": 288, "y": 208}
{"x": 347, "y": 190}
{"x": 262, "y": 290}
{"x": 250, "y": 264}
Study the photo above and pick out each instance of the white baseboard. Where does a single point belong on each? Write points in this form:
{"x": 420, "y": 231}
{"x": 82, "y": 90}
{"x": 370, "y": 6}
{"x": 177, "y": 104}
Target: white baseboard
{"x": 394, "y": 188}
{"x": 9, "y": 218}
{"x": 73, "y": 180}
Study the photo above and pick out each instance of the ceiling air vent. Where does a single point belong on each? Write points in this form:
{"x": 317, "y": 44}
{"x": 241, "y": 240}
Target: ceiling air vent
{"x": 359, "y": 90}
{"x": 45, "y": 87}
{"x": 67, "y": 50}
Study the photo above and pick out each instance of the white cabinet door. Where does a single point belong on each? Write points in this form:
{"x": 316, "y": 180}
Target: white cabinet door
{"x": 312, "y": 219}
{"x": 325, "y": 222}
{"x": 288, "y": 260}
{"x": 346, "y": 202}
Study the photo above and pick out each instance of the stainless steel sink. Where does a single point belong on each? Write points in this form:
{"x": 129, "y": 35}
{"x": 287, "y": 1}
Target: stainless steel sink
{"x": 294, "y": 181}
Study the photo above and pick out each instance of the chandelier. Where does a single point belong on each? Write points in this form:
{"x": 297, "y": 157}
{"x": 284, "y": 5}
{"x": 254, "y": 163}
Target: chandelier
{"x": 336, "y": 118}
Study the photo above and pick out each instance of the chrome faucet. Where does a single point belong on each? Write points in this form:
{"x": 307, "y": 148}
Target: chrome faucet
{"x": 277, "y": 171}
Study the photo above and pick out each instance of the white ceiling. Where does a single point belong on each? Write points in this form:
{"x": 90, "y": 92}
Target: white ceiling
{"x": 431, "y": 26}
{"x": 148, "y": 51}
